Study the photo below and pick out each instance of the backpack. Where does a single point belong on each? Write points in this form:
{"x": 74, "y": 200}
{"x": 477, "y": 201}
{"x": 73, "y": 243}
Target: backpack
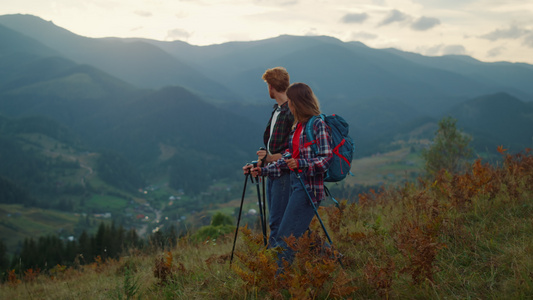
{"x": 342, "y": 143}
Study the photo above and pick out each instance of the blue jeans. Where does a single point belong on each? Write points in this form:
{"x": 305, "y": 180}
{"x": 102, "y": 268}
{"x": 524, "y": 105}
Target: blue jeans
{"x": 278, "y": 193}
{"x": 297, "y": 217}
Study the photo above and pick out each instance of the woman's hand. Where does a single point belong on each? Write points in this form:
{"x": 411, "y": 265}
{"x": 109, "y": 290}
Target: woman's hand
{"x": 256, "y": 171}
{"x": 292, "y": 163}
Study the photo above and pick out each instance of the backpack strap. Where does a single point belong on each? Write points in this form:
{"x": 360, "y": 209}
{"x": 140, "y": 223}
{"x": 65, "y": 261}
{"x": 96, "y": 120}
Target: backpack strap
{"x": 309, "y": 132}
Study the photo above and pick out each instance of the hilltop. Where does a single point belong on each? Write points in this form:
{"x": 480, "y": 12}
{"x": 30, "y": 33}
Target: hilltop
{"x": 456, "y": 236}
{"x": 152, "y": 135}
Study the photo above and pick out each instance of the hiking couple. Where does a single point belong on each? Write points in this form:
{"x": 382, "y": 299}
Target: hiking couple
{"x": 290, "y": 209}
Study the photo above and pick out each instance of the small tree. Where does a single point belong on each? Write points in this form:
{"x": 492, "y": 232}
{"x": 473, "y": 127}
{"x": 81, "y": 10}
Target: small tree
{"x": 450, "y": 149}
{"x": 221, "y": 224}
{"x": 220, "y": 219}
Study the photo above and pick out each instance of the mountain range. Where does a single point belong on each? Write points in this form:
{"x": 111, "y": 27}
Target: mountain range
{"x": 195, "y": 114}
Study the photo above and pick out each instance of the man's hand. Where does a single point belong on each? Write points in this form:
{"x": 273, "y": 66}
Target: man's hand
{"x": 262, "y": 157}
{"x": 246, "y": 169}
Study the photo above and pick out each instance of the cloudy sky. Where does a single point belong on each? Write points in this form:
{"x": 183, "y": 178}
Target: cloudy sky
{"x": 489, "y": 30}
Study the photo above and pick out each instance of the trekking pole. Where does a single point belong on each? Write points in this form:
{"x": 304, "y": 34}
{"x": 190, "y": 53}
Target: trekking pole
{"x": 263, "y": 161}
{"x": 328, "y": 193}
{"x": 264, "y": 203}
{"x": 261, "y": 215}
{"x": 297, "y": 172}
{"x": 239, "y": 218}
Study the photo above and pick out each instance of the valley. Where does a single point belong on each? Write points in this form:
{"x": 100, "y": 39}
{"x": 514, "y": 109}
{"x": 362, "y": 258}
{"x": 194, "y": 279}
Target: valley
{"x": 157, "y": 206}
{"x": 152, "y": 135}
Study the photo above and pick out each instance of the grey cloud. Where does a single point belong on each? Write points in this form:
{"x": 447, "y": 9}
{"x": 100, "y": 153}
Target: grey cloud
{"x": 448, "y": 4}
{"x": 277, "y": 2}
{"x": 363, "y": 36}
{"x": 354, "y": 18}
{"x": 454, "y": 49}
{"x": 394, "y": 16}
{"x": 444, "y": 50}
{"x": 181, "y": 14}
{"x": 143, "y": 13}
{"x": 495, "y": 51}
{"x": 420, "y": 24}
{"x": 435, "y": 50}
{"x": 311, "y": 32}
{"x": 528, "y": 40}
{"x": 177, "y": 34}
{"x": 513, "y": 32}
{"x": 425, "y": 23}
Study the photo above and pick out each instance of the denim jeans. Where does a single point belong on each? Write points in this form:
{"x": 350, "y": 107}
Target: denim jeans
{"x": 298, "y": 215}
{"x": 278, "y": 193}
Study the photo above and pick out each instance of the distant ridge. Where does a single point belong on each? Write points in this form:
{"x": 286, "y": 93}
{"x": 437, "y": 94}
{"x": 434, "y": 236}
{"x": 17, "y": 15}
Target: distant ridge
{"x": 497, "y": 119}
{"x": 14, "y": 42}
{"x": 136, "y": 62}
{"x": 512, "y": 77}
{"x": 339, "y": 71}
{"x": 92, "y": 83}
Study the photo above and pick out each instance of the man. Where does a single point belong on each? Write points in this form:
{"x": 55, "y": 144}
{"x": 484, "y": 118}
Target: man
{"x": 276, "y": 139}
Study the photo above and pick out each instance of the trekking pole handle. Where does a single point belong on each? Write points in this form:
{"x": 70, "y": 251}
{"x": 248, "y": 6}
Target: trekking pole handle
{"x": 288, "y": 155}
{"x": 254, "y": 164}
{"x": 250, "y": 171}
{"x": 263, "y": 159}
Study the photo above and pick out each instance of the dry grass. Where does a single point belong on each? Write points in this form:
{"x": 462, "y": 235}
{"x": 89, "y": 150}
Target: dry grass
{"x": 460, "y": 236}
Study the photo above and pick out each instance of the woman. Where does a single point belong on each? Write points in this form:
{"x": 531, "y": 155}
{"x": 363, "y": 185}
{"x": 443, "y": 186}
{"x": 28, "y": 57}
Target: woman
{"x": 310, "y": 166}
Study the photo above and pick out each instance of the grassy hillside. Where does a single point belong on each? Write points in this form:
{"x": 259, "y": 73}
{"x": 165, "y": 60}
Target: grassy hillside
{"x": 59, "y": 188}
{"x": 459, "y": 236}
{"x": 389, "y": 168}
{"x": 19, "y": 222}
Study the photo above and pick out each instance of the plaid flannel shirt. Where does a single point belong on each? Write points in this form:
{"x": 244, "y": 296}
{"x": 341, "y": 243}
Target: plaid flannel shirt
{"x": 313, "y": 166}
{"x": 279, "y": 142}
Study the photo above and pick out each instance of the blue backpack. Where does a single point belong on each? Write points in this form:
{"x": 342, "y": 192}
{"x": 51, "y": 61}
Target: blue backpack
{"x": 342, "y": 143}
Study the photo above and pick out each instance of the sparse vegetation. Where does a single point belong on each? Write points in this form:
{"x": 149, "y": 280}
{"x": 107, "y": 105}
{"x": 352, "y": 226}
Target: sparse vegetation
{"x": 450, "y": 149}
{"x": 459, "y": 236}
{"x": 80, "y": 147}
